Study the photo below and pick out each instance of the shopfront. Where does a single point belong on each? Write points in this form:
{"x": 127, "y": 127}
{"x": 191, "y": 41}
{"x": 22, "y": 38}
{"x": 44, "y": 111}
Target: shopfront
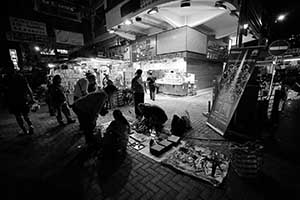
{"x": 120, "y": 72}
{"x": 183, "y": 45}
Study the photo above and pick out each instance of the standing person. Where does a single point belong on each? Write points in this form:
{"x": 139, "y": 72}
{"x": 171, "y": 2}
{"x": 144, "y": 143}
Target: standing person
{"x": 151, "y": 85}
{"x": 81, "y": 88}
{"x": 138, "y": 89}
{"x": 105, "y": 80}
{"x": 18, "y": 91}
{"x": 110, "y": 89}
{"x": 49, "y": 100}
{"x": 93, "y": 86}
{"x": 60, "y": 101}
{"x": 87, "y": 110}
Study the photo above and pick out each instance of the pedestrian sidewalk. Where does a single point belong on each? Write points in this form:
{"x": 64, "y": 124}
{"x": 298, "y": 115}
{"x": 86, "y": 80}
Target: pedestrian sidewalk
{"x": 45, "y": 165}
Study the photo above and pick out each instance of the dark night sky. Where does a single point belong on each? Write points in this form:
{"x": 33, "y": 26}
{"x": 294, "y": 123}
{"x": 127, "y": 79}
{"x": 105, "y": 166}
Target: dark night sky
{"x": 291, "y": 24}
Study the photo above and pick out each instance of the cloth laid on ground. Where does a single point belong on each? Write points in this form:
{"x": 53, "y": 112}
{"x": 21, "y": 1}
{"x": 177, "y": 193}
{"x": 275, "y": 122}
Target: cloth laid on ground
{"x": 199, "y": 161}
{"x": 141, "y": 143}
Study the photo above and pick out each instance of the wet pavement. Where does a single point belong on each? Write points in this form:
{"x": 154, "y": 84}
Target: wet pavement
{"x": 49, "y": 164}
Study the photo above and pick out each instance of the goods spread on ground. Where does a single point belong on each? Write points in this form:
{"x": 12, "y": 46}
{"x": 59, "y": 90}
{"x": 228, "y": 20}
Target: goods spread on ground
{"x": 200, "y": 162}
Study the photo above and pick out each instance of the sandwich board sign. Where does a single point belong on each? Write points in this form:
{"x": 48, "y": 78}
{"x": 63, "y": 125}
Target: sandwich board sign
{"x": 238, "y": 69}
{"x": 278, "y": 47}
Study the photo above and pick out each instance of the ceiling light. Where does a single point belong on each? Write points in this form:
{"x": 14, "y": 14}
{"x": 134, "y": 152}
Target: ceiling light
{"x": 111, "y": 31}
{"x": 220, "y": 5}
{"x": 127, "y": 22}
{"x": 185, "y": 3}
{"x": 153, "y": 11}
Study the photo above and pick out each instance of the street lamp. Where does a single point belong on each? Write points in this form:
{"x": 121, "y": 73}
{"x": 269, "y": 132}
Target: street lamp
{"x": 280, "y": 18}
{"x": 37, "y": 48}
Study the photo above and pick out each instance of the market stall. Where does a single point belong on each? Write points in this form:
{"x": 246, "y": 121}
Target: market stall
{"x": 118, "y": 71}
{"x": 170, "y": 72}
{"x": 176, "y": 84}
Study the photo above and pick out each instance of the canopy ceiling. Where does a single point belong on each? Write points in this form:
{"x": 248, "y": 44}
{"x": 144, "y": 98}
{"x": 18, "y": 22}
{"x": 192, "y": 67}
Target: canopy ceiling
{"x": 201, "y": 14}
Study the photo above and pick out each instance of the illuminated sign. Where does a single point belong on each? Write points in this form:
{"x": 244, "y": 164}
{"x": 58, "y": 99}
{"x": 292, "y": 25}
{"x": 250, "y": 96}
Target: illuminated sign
{"x": 47, "y": 52}
{"x": 14, "y": 57}
{"x": 62, "y": 51}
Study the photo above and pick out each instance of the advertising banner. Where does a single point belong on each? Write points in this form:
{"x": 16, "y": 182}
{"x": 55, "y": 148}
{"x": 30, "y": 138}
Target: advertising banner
{"x": 239, "y": 67}
{"x": 67, "y": 37}
{"x": 27, "y": 26}
{"x": 62, "y": 9}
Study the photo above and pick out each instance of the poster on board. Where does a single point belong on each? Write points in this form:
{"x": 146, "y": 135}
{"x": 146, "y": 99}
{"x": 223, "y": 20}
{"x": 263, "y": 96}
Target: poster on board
{"x": 239, "y": 67}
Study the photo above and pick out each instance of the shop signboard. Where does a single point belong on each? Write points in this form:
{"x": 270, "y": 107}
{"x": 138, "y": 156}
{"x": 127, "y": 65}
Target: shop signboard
{"x": 26, "y": 37}
{"x": 62, "y": 9}
{"x": 144, "y": 49}
{"x": 27, "y": 26}
{"x": 67, "y": 37}
{"x": 238, "y": 70}
{"x": 14, "y": 57}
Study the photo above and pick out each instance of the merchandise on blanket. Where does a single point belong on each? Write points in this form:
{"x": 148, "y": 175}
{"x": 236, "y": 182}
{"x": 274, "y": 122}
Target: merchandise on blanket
{"x": 247, "y": 159}
{"x": 157, "y": 150}
{"x": 168, "y": 145}
{"x": 140, "y": 127}
{"x": 199, "y": 162}
{"x": 174, "y": 139}
{"x": 138, "y": 137}
{"x": 138, "y": 146}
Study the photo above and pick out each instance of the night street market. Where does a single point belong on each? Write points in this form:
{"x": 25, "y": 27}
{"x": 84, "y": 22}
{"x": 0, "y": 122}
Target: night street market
{"x": 150, "y": 99}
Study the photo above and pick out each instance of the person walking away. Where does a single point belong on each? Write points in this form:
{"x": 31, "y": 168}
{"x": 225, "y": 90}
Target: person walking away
{"x": 18, "y": 91}
{"x": 87, "y": 110}
{"x": 110, "y": 89}
{"x": 151, "y": 85}
{"x": 81, "y": 88}
{"x": 138, "y": 89}
{"x": 60, "y": 101}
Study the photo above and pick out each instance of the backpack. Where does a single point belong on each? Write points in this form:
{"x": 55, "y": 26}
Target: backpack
{"x": 177, "y": 126}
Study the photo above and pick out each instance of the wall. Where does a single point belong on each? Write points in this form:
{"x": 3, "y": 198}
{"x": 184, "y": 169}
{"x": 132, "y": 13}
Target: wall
{"x": 171, "y": 41}
{"x": 196, "y": 41}
{"x": 181, "y": 39}
{"x": 205, "y": 70}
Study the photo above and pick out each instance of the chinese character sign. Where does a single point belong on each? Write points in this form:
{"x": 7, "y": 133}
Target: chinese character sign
{"x": 234, "y": 79}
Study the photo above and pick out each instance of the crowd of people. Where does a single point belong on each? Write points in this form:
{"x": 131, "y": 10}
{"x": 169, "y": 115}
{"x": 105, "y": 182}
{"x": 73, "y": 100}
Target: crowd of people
{"x": 90, "y": 101}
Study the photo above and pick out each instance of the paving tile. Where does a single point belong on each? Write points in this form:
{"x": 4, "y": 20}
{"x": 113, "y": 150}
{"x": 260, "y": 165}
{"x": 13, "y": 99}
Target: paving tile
{"x": 147, "y": 179}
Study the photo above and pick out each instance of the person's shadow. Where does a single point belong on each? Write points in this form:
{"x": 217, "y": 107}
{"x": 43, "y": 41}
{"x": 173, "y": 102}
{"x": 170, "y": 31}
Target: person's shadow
{"x": 113, "y": 174}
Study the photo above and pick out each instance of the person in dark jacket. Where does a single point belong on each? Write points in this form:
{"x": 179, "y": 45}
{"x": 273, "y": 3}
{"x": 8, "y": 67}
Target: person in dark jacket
{"x": 59, "y": 101}
{"x": 19, "y": 97}
{"x": 138, "y": 89}
{"x": 154, "y": 115}
{"x": 151, "y": 85}
{"x": 92, "y": 86}
{"x": 87, "y": 109}
{"x": 110, "y": 89}
{"x": 116, "y": 136}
